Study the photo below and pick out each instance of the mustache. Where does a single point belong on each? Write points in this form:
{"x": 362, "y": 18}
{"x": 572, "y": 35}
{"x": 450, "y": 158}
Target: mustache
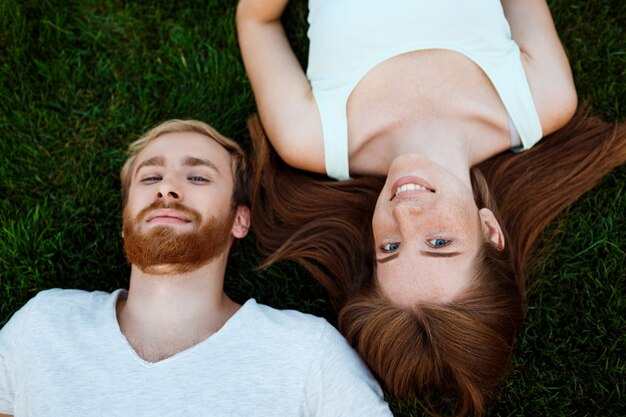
{"x": 191, "y": 213}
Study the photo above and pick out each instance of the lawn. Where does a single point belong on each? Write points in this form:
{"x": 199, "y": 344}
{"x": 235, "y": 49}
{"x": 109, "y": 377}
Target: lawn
{"x": 81, "y": 79}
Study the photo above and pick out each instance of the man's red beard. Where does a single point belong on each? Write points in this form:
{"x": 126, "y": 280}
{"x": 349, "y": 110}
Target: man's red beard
{"x": 164, "y": 250}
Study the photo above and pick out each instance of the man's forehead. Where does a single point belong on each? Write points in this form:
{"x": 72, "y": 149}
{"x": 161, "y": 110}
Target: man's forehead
{"x": 183, "y": 147}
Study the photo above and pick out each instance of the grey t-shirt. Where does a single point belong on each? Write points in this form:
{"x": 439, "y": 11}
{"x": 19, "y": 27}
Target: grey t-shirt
{"x": 63, "y": 354}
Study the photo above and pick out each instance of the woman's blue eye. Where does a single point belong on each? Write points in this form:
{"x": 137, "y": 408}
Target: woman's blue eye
{"x": 390, "y": 247}
{"x": 438, "y": 243}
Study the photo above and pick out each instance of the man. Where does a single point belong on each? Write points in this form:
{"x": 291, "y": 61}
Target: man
{"x": 175, "y": 343}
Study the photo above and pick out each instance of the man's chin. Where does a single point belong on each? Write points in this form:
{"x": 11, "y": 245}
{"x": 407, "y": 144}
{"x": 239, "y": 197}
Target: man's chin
{"x": 168, "y": 269}
{"x": 167, "y": 249}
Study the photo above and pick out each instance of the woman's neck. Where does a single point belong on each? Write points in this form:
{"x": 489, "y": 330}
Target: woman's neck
{"x": 442, "y": 143}
{"x": 444, "y": 148}
{"x": 453, "y": 141}
{"x": 458, "y": 106}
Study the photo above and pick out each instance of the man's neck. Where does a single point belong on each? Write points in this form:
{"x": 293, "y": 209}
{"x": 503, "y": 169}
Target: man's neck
{"x": 166, "y": 314}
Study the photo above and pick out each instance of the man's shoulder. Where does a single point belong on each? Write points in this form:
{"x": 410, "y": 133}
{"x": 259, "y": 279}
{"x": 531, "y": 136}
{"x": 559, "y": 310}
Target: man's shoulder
{"x": 293, "y": 327}
{"x": 290, "y": 320}
{"x": 320, "y": 359}
{"x": 59, "y": 295}
{"x": 57, "y": 301}
{"x": 55, "y": 314}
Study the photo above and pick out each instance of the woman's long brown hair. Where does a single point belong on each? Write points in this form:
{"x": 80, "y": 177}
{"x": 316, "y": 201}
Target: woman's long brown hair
{"x": 461, "y": 349}
{"x": 320, "y": 223}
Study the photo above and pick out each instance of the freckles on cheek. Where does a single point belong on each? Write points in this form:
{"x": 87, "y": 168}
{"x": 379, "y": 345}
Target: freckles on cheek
{"x": 380, "y": 226}
{"x": 459, "y": 219}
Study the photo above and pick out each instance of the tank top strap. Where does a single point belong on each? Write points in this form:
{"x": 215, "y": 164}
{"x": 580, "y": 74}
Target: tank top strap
{"x": 509, "y": 79}
{"x": 331, "y": 105}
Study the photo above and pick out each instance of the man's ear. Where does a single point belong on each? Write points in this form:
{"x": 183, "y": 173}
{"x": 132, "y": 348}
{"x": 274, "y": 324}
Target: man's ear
{"x": 241, "y": 225}
{"x": 491, "y": 227}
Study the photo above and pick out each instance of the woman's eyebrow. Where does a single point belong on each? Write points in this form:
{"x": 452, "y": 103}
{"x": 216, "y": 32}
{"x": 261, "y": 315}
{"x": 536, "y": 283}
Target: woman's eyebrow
{"x": 425, "y": 253}
{"x": 388, "y": 258}
{"x": 440, "y": 254}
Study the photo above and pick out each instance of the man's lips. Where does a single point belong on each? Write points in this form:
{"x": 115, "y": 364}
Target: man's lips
{"x": 167, "y": 216}
{"x": 410, "y": 185}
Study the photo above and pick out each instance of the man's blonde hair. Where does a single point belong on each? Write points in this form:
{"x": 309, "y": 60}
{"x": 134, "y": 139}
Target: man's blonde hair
{"x": 239, "y": 162}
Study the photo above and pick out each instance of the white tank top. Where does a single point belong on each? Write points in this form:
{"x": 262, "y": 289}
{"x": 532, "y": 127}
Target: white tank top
{"x": 350, "y": 37}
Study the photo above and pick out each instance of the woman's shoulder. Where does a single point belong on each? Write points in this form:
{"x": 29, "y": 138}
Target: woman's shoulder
{"x": 544, "y": 60}
{"x": 553, "y": 92}
{"x": 298, "y": 141}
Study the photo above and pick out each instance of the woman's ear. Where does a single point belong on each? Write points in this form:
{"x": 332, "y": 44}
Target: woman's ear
{"x": 491, "y": 227}
{"x": 241, "y": 225}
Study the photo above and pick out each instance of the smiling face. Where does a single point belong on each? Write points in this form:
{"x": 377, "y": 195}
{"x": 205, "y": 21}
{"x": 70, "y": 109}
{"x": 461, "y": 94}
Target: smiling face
{"x": 427, "y": 231}
{"x": 179, "y": 213}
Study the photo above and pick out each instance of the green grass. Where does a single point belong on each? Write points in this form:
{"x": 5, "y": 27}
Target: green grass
{"x": 81, "y": 79}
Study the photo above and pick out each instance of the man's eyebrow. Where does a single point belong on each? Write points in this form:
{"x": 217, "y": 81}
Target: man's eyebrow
{"x": 194, "y": 162}
{"x": 154, "y": 161}
{"x": 440, "y": 254}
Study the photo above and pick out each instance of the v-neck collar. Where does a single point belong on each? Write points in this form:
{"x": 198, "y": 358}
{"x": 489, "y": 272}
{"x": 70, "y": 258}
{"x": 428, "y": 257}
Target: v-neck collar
{"x": 231, "y": 325}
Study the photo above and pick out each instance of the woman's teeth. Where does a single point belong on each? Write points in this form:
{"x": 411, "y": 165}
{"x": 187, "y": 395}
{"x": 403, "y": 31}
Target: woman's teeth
{"x": 410, "y": 187}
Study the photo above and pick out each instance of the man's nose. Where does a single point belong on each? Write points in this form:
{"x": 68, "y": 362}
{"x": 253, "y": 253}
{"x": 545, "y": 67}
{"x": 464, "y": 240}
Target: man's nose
{"x": 168, "y": 191}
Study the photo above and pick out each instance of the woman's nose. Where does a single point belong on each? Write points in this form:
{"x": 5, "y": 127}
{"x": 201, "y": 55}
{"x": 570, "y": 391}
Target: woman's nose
{"x": 404, "y": 211}
{"x": 407, "y": 216}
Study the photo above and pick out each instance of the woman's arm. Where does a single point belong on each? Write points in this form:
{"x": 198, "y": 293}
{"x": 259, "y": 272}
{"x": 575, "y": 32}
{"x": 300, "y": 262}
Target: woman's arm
{"x": 544, "y": 60}
{"x": 282, "y": 92}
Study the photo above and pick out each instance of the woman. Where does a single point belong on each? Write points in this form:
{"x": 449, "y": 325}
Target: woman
{"x": 432, "y": 294}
